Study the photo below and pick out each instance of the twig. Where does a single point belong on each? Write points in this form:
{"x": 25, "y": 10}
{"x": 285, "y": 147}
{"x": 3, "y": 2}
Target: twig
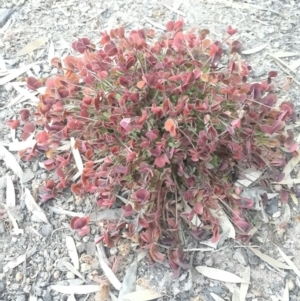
{"x": 280, "y": 63}
{"x": 174, "y": 10}
{"x": 154, "y": 23}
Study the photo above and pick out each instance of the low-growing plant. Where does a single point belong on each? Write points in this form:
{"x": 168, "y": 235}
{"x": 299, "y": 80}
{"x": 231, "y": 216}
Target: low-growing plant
{"x": 163, "y": 125}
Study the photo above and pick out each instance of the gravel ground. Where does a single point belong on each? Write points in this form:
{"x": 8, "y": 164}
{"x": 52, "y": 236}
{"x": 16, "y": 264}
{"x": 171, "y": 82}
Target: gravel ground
{"x": 273, "y": 25}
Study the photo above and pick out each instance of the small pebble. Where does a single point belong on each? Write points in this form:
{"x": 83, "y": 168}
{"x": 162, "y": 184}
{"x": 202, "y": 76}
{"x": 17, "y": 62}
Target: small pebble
{"x": 85, "y": 239}
{"x": 291, "y": 285}
{"x": 19, "y": 276}
{"x": 47, "y": 229}
{"x": 56, "y": 274}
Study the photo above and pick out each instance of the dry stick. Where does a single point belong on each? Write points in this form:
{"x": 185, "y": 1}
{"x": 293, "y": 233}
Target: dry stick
{"x": 174, "y": 10}
{"x": 281, "y": 63}
{"x": 154, "y": 23}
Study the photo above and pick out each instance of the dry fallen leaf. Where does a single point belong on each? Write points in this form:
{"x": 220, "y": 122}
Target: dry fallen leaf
{"x": 129, "y": 281}
{"x": 255, "y": 49}
{"x": 289, "y": 262}
{"x": 17, "y": 261}
{"x": 51, "y": 52}
{"x": 107, "y": 270}
{"x": 245, "y": 286}
{"x": 282, "y": 53}
{"x": 218, "y": 274}
{"x": 142, "y": 295}
{"x": 65, "y": 212}
{"x": 32, "y": 206}
{"x": 16, "y": 73}
{"x": 72, "y": 269}
{"x": 72, "y": 251}
{"x": 251, "y": 175}
{"x": 224, "y": 222}
{"x": 286, "y": 295}
{"x": 10, "y": 192}
{"x": 21, "y": 145}
{"x": 290, "y": 166}
{"x": 33, "y": 46}
{"x": 76, "y": 289}
{"x": 271, "y": 261}
{"x": 26, "y": 94}
{"x": 71, "y": 298}
{"x": 11, "y": 162}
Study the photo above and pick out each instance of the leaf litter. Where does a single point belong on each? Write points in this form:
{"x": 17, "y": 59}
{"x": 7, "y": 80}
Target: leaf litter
{"x": 220, "y": 275}
{"x": 33, "y": 207}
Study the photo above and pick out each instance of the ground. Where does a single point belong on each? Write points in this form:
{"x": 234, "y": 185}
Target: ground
{"x": 270, "y": 30}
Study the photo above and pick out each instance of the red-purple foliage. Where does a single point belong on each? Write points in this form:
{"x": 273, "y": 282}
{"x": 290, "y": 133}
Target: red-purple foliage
{"x": 167, "y": 121}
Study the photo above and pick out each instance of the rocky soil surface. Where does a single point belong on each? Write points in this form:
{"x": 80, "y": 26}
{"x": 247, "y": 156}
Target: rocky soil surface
{"x": 33, "y": 260}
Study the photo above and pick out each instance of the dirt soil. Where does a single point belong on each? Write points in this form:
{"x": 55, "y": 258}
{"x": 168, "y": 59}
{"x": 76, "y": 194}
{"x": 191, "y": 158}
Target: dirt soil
{"x": 265, "y": 27}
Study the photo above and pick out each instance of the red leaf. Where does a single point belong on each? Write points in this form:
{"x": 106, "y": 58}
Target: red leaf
{"x": 141, "y": 195}
{"x": 42, "y": 137}
{"x": 170, "y": 26}
{"x": 33, "y": 83}
{"x": 104, "y": 39}
{"x": 130, "y": 157}
{"x": 111, "y": 49}
{"x": 213, "y": 49}
{"x": 236, "y": 47}
{"x": 272, "y": 74}
{"x": 125, "y": 123}
{"x": 24, "y": 114}
{"x": 56, "y": 62}
{"x": 79, "y": 222}
{"x": 71, "y": 62}
{"x": 27, "y": 130}
{"x": 161, "y": 161}
{"x": 81, "y": 45}
{"x": 155, "y": 254}
{"x": 284, "y": 195}
{"x": 170, "y": 126}
{"x": 231, "y": 31}
{"x": 84, "y": 231}
{"x": 178, "y": 25}
{"x": 13, "y": 124}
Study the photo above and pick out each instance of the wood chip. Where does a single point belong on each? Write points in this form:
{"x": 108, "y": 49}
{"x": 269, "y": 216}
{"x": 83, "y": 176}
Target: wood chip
{"x": 76, "y": 289}
{"x": 11, "y": 162}
{"x": 143, "y": 295}
{"x": 72, "y": 251}
{"x": 271, "y": 261}
{"x": 33, "y": 207}
{"x": 218, "y": 274}
{"x": 33, "y": 46}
